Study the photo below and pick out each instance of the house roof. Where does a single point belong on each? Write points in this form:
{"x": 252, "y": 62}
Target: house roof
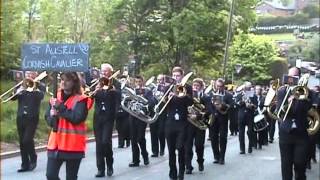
{"x": 278, "y": 4}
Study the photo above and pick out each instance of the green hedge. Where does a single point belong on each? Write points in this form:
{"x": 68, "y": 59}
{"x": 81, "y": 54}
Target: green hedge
{"x": 298, "y": 19}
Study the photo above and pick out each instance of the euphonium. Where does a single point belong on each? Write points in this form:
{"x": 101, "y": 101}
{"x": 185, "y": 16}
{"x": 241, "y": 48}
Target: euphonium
{"x": 218, "y": 102}
{"x": 197, "y": 115}
{"x": 271, "y": 98}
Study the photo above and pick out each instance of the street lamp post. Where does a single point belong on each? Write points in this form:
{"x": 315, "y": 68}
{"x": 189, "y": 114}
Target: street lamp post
{"x": 238, "y": 68}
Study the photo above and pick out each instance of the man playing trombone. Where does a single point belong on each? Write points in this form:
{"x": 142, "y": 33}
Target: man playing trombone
{"x": 293, "y": 134}
{"x": 175, "y": 127}
{"x": 29, "y": 96}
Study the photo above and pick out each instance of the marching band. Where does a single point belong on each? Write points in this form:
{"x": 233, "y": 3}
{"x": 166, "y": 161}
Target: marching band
{"x": 177, "y": 113}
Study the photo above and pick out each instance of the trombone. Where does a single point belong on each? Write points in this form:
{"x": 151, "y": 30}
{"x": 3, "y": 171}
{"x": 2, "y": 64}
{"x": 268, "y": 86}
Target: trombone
{"x": 300, "y": 92}
{"x": 179, "y": 90}
{"x": 105, "y": 83}
{"x": 31, "y": 85}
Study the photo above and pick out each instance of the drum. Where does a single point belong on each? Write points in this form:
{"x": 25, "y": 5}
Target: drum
{"x": 260, "y": 123}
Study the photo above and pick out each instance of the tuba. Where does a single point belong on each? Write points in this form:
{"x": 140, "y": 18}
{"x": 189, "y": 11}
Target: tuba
{"x": 300, "y": 92}
{"x": 137, "y": 105}
{"x": 197, "y": 115}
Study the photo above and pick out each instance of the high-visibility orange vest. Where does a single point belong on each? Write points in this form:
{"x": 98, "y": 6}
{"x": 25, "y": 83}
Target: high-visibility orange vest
{"x": 70, "y": 137}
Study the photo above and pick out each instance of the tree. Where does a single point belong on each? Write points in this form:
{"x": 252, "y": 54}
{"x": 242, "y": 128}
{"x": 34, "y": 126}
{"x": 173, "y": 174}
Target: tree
{"x": 11, "y": 34}
{"x": 312, "y": 10}
{"x": 255, "y": 54}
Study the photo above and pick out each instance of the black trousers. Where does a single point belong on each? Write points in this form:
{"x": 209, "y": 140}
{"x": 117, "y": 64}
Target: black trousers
{"x": 54, "y": 165}
{"x": 175, "y": 132}
{"x": 271, "y": 128}
{"x": 233, "y": 116}
{"x": 138, "y": 140}
{"x": 26, "y": 129}
{"x": 219, "y": 136}
{"x": 261, "y": 137}
{"x": 197, "y": 137}
{"x": 103, "y": 135}
{"x": 123, "y": 128}
{"x": 294, "y": 154}
{"x": 245, "y": 119}
{"x": 157, "y": 134}
{"x": 312, "y": 146}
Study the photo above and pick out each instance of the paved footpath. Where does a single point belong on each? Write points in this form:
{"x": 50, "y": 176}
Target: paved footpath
{"x": 260, "y": 165}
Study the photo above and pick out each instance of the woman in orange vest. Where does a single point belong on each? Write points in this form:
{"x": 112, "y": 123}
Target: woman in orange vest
{"x": 66, "y": 115}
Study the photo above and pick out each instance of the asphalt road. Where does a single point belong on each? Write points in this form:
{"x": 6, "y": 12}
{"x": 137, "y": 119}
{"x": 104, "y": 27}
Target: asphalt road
{"x": 260, "y": 165}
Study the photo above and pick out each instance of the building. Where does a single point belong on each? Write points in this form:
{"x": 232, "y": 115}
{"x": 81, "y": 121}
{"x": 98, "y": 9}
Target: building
{"x": 279, "y": 8}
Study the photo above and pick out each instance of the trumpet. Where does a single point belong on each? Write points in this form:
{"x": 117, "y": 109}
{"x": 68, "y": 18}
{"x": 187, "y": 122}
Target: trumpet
{"x": 27, "y": 84}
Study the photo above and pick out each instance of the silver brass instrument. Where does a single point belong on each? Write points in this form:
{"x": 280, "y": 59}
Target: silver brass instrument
{"x": 27, "y": 84}
{"x": 218, "y": 102}
{"x": 196, "y": 115}
{"x": 137, "y": 105}
{"x": 271, "y": 98}
{"x": 300, "y": 92}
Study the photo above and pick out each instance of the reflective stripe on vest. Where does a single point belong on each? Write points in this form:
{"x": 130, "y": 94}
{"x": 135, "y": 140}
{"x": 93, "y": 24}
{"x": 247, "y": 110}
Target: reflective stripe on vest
{"x": 69, "y": 137}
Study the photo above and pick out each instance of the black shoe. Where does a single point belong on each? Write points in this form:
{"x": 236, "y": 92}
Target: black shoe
{"x": 250, "y": 150}
{"x": 221, "y": 161}
{"x": 161, "y": 153}
{"x": 120, "y": 146}
{"x": 308, "y": 166}
{"x": 146, "y": 160}
{"x": 260, "y": 147}
{"x": 181, "y": 176}
{"x": 201, "y": 168}
{"x": 189, "y": 171}
{"x": 173, "y": 174}
{"x": 127, "y": 143}
{"x": 32, "y": 166}
{"x": 109, "y": 171}
{"x": 154, "y": 155}
{"x": 216, "y": 161}
{"x": 100, "y": 174}
{"x": 23, "y": 169}
{"x": 133, "y": 164}
{"x": 242, "y": 152}
{"x": 270, "y": 140}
